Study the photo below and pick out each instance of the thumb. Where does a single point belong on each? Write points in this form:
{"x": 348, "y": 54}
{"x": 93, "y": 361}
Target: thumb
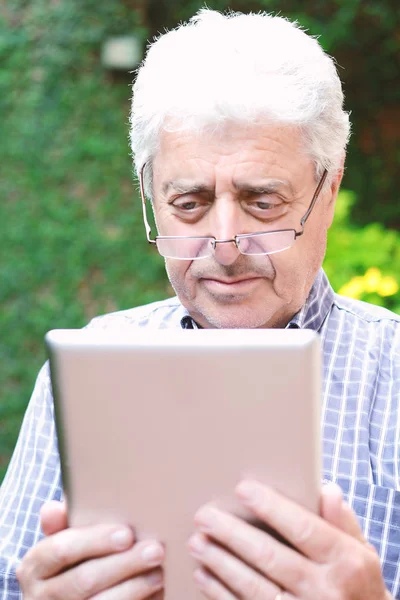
{"x": 338, "y": 513}
{"x": 53, "y": 517}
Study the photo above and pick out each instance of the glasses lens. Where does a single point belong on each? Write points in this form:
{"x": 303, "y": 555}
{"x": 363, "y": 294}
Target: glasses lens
{"x": 182, "y": 248}
{"x": 260, "y": 244}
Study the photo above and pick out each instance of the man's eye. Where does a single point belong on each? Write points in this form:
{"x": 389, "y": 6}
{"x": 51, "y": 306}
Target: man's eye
{"x": 190, "y": 203}
{"x": 265, "y": 205}
{"x": 187, "y": 205}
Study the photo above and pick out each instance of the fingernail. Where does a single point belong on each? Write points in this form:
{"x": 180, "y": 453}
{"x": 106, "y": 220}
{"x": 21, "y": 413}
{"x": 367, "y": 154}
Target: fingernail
{"x": 346, "y": 507}
{"x": 197, "y": 545}
{"x": 122, "y": 538}
{"x": 331, "y": 489}
{"x": 152, "y": 553}
{"x": 247, "y": 491}
{"x": 155, "y": 579}
{"x": 205, "y": 518}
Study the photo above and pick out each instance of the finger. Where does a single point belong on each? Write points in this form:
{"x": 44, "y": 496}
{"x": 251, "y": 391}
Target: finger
{"x": 53, "y": 517}
{"x": 309, "y": 533}
{"x": 237, "y": 576}
{"x": 98, "y": 575}
{"x": 64, "y": 549}
{"x": 350, "y": 566}
{"x": 331, "y": 504}
{"x": 258, "y": 549}
{"x": 211, "y": 587}
{"x": 137, "y": 588}
{"x": 338, "y": 513}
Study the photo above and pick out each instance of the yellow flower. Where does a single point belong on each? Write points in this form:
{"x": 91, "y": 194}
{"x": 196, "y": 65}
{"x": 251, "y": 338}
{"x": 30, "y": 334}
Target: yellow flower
{"x": 388, "y": 286}
{"x": 353, "y": 288}
{"x": 372, "y": 280}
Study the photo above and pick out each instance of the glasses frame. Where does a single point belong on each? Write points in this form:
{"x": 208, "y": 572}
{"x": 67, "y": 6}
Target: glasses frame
{"x": 237, "y": 237}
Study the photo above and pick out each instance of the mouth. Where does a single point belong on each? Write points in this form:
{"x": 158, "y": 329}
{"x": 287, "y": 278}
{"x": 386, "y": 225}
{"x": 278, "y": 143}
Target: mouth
{"x": 236, "y": 285}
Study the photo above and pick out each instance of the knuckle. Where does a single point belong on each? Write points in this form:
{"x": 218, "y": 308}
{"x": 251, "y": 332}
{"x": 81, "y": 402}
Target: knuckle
{"x": 41, "y": 591}
{"x": 303, "y": 577}
{"x": 59, "y": 551}
{"x": 357, "y": 566}
{"x": 369, "y": 564}
{"x": 264, "y": 555}
{"x": 50, "y": 590}
{"x": 253, "y": 589}
{"x": 356, "y": 571}
{"x": 235, "y": 530}
{"x": 24, "y": 572}
{"x": 84, "y": 580}
{"x": 303, "y": 531}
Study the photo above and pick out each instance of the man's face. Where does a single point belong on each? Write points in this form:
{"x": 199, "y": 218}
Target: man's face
{"x": 245, "y": 179}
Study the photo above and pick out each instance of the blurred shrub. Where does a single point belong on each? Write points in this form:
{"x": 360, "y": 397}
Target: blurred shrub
{"x": 70, "y": 224}
{"x": 363, "y": 263}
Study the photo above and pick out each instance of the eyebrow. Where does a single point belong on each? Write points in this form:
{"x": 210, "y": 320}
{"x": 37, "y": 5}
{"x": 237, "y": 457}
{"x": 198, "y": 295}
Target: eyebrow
{"x": 264, "y": 187}
{"x": 184, "y": 186}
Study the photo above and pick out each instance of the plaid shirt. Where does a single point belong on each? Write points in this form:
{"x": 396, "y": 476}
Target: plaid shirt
{"x": 360, "y": 425}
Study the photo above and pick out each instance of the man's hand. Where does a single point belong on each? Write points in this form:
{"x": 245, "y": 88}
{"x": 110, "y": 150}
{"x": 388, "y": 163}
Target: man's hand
{"x": 331, "y": 560}
{"x": 102, "y": 562}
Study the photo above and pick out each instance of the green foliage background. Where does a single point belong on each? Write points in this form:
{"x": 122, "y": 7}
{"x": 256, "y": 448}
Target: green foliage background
{"x": 72, "y": 243}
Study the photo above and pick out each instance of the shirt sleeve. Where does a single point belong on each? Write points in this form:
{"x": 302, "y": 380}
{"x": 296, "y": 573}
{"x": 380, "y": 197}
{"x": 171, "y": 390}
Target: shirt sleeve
{"x": 33, "y": 478}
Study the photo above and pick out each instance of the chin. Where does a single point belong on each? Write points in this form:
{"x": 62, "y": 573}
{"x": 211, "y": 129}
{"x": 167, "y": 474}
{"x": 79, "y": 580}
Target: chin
{"x": 230, "y": 317}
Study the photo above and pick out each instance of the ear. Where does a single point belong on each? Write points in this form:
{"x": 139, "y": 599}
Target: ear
{"x": 333, "y": 192}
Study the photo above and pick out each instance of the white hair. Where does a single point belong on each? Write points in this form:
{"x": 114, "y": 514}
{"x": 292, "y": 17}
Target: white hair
{"x": 243, "y": 68}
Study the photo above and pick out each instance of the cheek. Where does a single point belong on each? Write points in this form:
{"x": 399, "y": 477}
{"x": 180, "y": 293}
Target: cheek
{"x": 178, "y": 274}
{"x": 286, "y": 265}
{"x": 290, "y": 269}
{"x": 297, "y": 267}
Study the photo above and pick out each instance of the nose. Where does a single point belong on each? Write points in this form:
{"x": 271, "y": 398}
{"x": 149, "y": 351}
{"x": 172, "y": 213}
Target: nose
{"x": 226, "y": 252}
{"x": 226, "y": 224}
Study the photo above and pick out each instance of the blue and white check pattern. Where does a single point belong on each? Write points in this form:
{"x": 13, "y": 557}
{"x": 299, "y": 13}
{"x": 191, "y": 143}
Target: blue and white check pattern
{"x": 360, "y": 425}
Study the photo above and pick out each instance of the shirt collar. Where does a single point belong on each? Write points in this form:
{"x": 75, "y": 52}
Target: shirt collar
{"x": 317, "y": 306}
{"x": 188, "y": 323}
{"x": 311, "y": 315}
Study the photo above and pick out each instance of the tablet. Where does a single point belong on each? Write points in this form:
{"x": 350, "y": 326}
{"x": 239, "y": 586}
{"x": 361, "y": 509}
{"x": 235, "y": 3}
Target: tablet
{"x": 152, "y": 424}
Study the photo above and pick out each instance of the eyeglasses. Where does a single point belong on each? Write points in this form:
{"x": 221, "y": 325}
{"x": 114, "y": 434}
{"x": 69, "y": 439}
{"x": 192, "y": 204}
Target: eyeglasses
{"x": 253, "y": 244}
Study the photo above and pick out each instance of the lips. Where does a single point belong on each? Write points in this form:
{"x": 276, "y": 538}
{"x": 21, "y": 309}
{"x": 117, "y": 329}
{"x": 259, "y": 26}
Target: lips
{"x": 244, "y": 285}
{"x": 230, "y": 281}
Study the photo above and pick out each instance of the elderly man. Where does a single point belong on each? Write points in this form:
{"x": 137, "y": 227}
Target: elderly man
{"x": 239, "y": 139}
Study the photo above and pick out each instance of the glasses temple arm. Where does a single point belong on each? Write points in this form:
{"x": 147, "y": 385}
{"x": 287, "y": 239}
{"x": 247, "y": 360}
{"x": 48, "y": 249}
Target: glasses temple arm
{"x": 142, "y": 193}
{"x": 315, "y": 198}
